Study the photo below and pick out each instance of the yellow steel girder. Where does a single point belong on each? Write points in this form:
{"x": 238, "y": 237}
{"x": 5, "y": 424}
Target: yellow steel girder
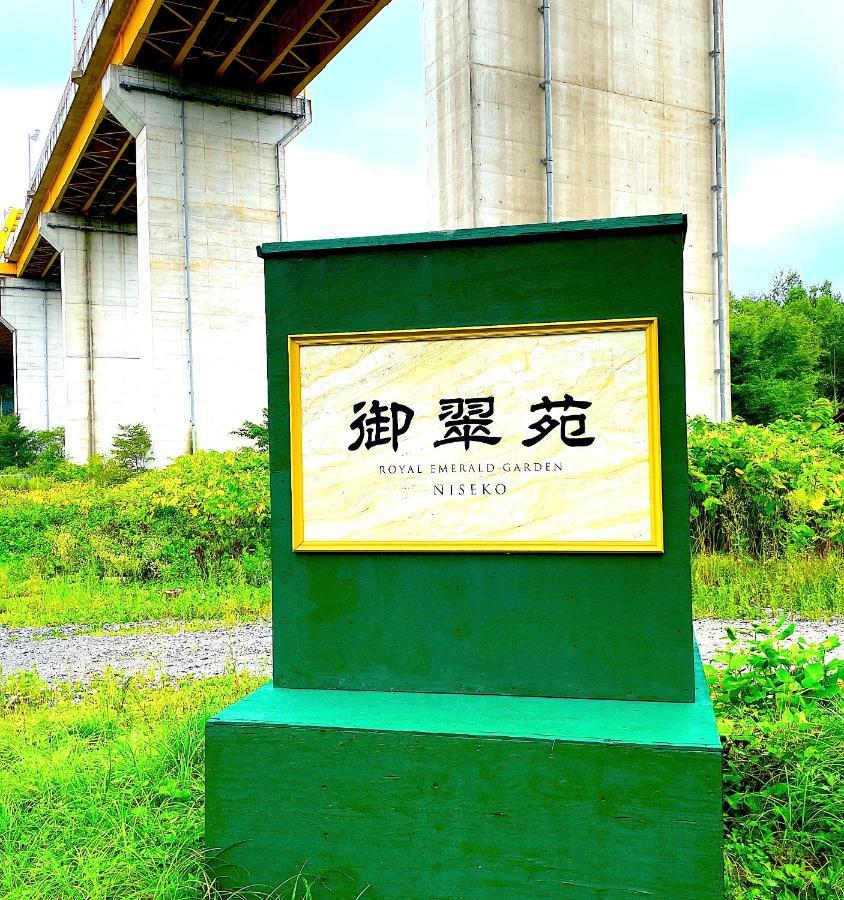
{"x": 125, "y": 46}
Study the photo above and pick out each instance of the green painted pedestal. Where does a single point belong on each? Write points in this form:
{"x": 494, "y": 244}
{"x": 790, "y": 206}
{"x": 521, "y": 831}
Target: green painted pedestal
{"x": 458, "y": 796}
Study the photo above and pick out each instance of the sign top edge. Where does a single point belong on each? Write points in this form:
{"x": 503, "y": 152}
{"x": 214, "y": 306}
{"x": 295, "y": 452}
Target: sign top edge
{"x": 676, "y": 222}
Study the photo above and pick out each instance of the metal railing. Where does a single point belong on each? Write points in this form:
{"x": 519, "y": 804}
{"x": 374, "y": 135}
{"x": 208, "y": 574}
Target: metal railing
{"x": 83, "y": 57}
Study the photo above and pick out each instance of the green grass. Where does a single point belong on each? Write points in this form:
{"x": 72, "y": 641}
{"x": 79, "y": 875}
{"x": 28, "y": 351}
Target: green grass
{"x": 60, "y": 600}
{"x": 101, "y": 791}
{"x": 724, "y": 586}
{"x": 101, "y": 794}
{"x": 731, "y": 587}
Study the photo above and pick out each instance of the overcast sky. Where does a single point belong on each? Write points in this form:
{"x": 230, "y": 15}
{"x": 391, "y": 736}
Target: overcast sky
{"x": 360, "y": 168}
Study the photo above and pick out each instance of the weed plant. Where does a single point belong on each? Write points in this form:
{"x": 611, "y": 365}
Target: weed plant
{"x": 725, "y": 586}
{"x": 756, "y": 491}
{"x": 761, "y": 490}
{"x": 101, "y": 788}
{"x": 38, "y": 601}
{"x": 205, "y": 515}
{"x": 780, "y": 712}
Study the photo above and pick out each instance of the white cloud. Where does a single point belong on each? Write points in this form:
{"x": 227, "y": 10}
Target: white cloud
{"x": 785, "y": 196}
{"x": 24, "y": 110}
{"x": 332, "y": 194}
{"x": 765, "y": 26}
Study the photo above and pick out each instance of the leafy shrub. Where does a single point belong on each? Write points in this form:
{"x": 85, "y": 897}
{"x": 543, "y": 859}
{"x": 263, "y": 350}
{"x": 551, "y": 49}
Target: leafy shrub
{"x": 17, "y": 444}
{"x": 779, "y": 709}
{"x": 257, "y": 433}
{"x": 755, "y": 490}
{"x": 22, "y": 450}
{"x": 204, "y": 514}
{"x": 49, "y": 446}
{"x": 759, "y": 671}
{"x": 132, "y": 447}
{"x": 764, "y": 489}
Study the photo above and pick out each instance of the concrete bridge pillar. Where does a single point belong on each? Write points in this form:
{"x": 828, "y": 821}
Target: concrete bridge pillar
{"x": 103, "y": 332}
{"x": 30, "y": 311}
{"x": 633, "y": 97}
{"x": 210, "y": 189}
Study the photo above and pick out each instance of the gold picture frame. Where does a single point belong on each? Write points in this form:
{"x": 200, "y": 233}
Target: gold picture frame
{"x": 650, "y": 328}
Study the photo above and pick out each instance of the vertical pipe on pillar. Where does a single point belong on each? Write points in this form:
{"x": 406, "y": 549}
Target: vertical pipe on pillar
{"x": 47, "y": 358}
{"x": 188, "y": 295}
{"x": 279, "y": 178}
{"x": 546, "y": 86}
{"x": 89, "y": 321}
{"x": 302, "y": 123}
{"x": 718, "y": 188}
{"x": 15, "y": 379}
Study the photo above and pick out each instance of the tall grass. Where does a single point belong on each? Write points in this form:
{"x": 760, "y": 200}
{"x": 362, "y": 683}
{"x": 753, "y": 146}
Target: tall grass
{"x": 740, "y": 587}
{"x": 101, "y": 789}
{"x": 101, "y": 792}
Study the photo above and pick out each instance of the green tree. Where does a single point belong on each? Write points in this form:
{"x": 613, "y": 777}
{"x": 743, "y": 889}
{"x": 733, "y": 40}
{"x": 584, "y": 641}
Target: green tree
{"x": 775, "y": 351}
{"x": 825, "y": 309}
{"x": 49, "y": 445}
{"x": 18, "y": 446}
{"x": 258, "y": 433}
{"x": 132, "y": 447}
{"x": 787, "y": 349}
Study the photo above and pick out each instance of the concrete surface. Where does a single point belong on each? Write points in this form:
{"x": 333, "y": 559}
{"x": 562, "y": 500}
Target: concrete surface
{"x": 633, "y": 94}
{"x": 101, "y": 333}
{"x": 32, "y": 309}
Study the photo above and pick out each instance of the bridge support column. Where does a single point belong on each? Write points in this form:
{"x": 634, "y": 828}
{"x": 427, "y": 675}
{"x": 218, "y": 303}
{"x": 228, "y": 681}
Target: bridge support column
{"x": 31, "y": 311}
{"x": 210, "y": 189}
{"x": 632, "y": 96}
{"x": 102, "y": 330}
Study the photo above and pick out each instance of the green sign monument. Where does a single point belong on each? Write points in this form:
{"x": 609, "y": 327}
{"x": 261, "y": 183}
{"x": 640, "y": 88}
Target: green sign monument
{"x": 485, "y": 682}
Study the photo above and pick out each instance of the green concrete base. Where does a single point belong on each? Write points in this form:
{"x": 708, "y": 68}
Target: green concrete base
{"x": 457, "y": 796}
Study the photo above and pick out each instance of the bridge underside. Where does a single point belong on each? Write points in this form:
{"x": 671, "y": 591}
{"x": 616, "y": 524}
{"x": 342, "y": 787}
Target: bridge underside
{"x": 268, "y": 45}
{"x": 271, "y": 47}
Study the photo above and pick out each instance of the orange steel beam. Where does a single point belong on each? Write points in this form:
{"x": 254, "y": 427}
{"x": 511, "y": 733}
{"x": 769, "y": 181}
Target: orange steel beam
{"x": 90, "y": 201}
{"x": 8, "y": 270}
{"x": 88, "y": 126}
{"x": 50, "y": 264}
{"x": 300, "y": 20}
{"x": 139, "y": 18}
{"x": 143, "y": 33}
{"x": 119, "y": 205}
{"x": 376, "y": 8}
{"x": 181, "y": 56}
{"x": 263, "y": 12}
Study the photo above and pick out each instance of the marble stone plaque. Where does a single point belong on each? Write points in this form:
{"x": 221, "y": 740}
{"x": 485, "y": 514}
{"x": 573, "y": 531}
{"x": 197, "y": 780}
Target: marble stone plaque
{"x": 512, "y": 438}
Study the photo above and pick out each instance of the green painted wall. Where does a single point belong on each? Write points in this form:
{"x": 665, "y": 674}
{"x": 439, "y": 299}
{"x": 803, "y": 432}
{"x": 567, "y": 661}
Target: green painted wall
{"x": 574, "y": 625}
{"x": 425, "y": 796}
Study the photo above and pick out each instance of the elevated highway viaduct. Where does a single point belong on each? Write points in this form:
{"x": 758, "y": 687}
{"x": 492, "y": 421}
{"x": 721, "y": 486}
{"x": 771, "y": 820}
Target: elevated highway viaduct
{"x": 132, "y": 283}
{"x": 130, "y": 290}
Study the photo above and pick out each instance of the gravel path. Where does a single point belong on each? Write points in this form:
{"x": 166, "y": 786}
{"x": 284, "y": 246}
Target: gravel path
{"x": 68, "y": 654}
{"x": 710, "y": 633}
